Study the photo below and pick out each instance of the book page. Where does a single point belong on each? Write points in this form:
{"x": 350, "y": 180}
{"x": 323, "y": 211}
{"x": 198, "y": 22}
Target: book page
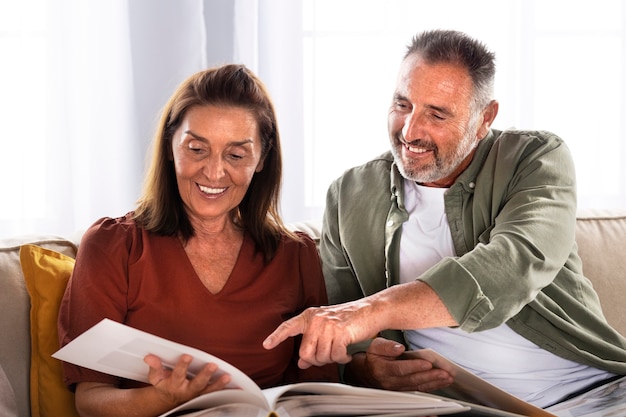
{"x": 228, "y": 402}
{"x": 607, "y": 400}
{"x": 327, "y": 398}
{"x": 117, "y": 349}
{"x": 470, "y": 387}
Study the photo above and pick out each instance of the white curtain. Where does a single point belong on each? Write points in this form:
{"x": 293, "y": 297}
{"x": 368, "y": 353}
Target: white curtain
{"x": 77, "y": 136}
{"x": 268, "y": 39}
{"x": 330, "y": 66}
{"x": 83, "y": 82}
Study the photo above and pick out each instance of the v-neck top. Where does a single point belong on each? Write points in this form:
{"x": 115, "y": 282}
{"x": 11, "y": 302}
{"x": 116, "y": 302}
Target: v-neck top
{"x": 146, "y": 281}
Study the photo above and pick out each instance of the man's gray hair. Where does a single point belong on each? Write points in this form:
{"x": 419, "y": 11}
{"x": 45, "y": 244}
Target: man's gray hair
{"x": 450, "y": 46}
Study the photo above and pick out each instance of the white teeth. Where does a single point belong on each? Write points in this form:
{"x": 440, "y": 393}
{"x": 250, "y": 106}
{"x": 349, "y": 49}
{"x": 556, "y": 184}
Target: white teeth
{"x": 208, "y": 190}
{"x": 416, "y": 149}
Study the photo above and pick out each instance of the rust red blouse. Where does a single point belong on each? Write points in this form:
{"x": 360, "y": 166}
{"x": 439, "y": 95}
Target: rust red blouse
{"x": 146, "y": 281}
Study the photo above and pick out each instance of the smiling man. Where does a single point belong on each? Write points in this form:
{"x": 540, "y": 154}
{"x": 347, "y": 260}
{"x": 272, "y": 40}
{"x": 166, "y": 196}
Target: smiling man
{"x": 460, "y": 239}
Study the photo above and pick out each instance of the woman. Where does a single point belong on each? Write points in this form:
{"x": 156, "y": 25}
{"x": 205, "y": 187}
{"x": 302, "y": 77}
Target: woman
{"x": 204, "y": 259}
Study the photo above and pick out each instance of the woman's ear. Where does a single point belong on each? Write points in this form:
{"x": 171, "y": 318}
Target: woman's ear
{"x": 260, "y": 165}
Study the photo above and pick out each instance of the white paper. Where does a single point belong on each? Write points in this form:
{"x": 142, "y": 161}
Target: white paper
{"x": 118, "y": 349}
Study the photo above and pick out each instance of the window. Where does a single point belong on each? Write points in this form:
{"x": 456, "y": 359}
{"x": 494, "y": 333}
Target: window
{"x": 560, "y": 66}
{"x": 23, "y": 119}
{"x": 82, "y": 84}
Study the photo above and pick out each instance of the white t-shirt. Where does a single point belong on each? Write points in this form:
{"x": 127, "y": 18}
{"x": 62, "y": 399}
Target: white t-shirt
{"x": 500, "y": 355}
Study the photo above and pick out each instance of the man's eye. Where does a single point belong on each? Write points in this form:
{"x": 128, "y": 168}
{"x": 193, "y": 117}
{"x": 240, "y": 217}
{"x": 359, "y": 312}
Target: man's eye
{"x": 236, "y": 157}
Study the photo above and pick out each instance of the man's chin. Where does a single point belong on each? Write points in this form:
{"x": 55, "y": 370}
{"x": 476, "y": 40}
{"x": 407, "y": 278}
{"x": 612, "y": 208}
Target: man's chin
{"x": 410, "y": 174}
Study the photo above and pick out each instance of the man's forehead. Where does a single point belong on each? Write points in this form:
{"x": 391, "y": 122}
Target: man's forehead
{"x": 445, "y": 79}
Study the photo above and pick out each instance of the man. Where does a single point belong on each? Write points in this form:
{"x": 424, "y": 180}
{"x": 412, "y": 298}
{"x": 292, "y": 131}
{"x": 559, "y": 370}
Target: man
{"x": 463, "y": 237}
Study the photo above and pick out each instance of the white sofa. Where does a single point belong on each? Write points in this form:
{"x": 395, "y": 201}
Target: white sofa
{"x": 601, "y": 236}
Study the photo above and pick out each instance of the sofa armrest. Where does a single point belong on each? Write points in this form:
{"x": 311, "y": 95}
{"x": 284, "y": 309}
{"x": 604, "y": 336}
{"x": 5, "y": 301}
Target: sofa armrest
{"x": 15, "y": 313}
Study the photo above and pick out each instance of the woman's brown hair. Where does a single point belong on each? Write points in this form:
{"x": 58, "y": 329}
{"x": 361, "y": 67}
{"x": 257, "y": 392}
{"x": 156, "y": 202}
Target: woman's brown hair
{"x": 160, "y": 209}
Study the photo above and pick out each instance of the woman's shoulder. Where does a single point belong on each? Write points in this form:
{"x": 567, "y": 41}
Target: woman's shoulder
{"x": 113, "y": 225}
{"x": 297, "y": 240}
{"x": 112, "y": 229}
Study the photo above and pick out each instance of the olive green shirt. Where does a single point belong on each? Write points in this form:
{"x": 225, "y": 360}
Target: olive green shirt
{"x": 512, "y": 216}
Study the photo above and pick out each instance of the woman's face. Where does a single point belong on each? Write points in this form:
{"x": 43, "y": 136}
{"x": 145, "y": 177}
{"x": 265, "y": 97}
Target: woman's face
{"x": 216, "y": 152}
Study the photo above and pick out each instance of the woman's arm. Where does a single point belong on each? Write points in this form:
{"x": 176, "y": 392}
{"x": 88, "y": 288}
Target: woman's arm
{"x": 169, "y": 389}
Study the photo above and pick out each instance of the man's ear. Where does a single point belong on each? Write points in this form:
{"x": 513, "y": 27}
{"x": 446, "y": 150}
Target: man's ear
{"x": 489, "y": 114}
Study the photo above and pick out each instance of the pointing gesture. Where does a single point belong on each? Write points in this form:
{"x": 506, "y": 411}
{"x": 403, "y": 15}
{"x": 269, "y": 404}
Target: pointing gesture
{"x": 328, "y": 331}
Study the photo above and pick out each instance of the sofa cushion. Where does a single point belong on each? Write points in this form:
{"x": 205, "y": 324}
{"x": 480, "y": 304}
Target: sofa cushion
{"x": 46, "y": 273}
{"x": 601, "y": 238}
{"x": 14, "y": 313}
{"x": 8, "y": 407}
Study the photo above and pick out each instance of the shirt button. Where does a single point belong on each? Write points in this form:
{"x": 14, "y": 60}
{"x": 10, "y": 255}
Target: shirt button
{"x": 389, "y": 223}
{"x": 472, "y": 185}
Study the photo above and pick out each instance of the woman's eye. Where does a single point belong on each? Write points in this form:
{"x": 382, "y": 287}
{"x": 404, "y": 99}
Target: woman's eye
{"x": 196, "y": 147}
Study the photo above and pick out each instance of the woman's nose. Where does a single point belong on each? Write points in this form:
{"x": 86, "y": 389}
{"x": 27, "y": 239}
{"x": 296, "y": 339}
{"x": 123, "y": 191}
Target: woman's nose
{"x": 214, "y": 168}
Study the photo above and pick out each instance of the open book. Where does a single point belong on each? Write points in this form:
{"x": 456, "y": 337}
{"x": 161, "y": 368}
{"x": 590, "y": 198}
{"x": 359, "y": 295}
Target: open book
{"x": 117, "y": 349}
{"x": 606, "y": 400}
{"x": 472, "y": 388}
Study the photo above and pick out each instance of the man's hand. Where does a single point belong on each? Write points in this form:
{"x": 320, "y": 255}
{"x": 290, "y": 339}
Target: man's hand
{"x": 382, "y": 366}
{"x": 327, "y": 331}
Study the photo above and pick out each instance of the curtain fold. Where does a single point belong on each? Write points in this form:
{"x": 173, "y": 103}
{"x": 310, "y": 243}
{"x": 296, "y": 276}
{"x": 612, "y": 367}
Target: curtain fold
{"x": 82, "y": 89}
{"x": 109, "y": 66}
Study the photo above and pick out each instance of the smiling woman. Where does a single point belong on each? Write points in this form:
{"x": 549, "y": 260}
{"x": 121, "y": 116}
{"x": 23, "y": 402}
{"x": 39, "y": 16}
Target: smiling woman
{"x": 216, "y": 151}
{"x": 206, "y": 241}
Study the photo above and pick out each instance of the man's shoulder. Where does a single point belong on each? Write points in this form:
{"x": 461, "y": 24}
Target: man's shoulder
{"x": 516, "y": 143}
{"x": 524, "y": 137}
{"x": 370, "y": 179}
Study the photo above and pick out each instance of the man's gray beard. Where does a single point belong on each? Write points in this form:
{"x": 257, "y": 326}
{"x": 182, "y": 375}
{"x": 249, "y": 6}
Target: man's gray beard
{"x": 441, "y": 168}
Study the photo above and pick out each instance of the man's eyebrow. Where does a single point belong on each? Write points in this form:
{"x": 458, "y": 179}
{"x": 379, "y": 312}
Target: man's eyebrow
{"x": 443, "y": 110}
{"x": 399, "y": 97}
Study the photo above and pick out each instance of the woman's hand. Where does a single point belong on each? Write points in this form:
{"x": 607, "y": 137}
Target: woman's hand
{"x": 169, "y": 388}
{"x": 175, "y": 386}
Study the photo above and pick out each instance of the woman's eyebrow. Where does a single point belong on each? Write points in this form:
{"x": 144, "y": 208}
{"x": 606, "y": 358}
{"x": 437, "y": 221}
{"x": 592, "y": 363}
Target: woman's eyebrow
{"x": 241, "y": 142}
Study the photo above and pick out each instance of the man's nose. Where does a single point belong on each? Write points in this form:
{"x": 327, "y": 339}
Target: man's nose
{"x": 414, "y": 127}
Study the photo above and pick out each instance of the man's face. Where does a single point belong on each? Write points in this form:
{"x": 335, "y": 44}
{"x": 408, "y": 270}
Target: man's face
{"x": 433, "y": 134}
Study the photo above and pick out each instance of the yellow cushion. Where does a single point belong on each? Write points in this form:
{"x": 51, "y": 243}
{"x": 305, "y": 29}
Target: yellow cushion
{"x": 46, "y": 273}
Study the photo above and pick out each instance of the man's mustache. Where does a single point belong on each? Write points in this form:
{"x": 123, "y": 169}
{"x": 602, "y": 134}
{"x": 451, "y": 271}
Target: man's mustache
{"x": 421, "y": 143}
